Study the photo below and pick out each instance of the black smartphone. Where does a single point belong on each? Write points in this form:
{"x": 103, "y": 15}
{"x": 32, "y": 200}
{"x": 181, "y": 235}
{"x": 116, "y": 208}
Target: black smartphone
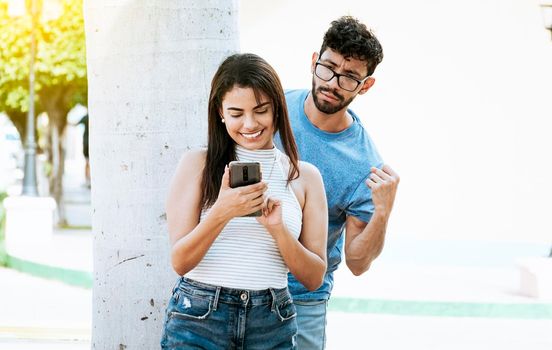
{"x": 243, "y": 174}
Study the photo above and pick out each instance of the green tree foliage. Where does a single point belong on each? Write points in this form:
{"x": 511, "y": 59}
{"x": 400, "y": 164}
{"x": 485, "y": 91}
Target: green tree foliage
{"x": 61, "y": 59}
{"x": 60, "y": 62}
{"x": 60, "y": 73}
{"x": 14, "y": 67}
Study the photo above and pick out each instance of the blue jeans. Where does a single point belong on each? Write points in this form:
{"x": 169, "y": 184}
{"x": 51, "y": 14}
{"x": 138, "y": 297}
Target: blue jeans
{"x": 203, "y": 316}
{"x": 311, "y": 323}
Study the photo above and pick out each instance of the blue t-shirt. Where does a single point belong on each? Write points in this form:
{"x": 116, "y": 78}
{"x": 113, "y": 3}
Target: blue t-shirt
{"x": 344, "y": 160}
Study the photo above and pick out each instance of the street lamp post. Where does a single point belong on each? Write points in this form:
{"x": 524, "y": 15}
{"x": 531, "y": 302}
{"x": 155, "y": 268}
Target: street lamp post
{"x": 30, "y": 187}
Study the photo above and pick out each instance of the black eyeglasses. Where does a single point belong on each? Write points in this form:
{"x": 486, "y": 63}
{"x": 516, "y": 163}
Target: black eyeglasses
{"x": 344, "y": 81}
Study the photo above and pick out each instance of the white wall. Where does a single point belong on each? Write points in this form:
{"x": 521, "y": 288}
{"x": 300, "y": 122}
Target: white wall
{"x": 461, "y": 105}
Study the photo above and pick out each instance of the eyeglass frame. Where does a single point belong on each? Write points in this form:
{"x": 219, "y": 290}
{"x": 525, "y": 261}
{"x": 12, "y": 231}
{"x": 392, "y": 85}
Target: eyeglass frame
{"x": 338, "y": 75}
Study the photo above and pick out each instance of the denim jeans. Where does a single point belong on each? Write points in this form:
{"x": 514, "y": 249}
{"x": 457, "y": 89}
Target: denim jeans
{"x": 311, "y": 323}
{"x": 203, "y": 316}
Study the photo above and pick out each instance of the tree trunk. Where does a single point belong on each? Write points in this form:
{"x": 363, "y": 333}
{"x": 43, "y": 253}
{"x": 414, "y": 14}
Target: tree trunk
{"x": 57, "y": 106}
{"x": 55, "y": 179}
{"x": 19, "y": 120}
{"x": 149, "y": 71}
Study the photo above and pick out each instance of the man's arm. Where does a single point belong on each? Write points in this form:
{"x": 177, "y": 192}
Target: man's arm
{"x": 364, "y": 241}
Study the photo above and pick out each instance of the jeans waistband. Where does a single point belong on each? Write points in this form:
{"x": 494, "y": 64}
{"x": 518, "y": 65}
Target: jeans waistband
{"x": 231, "y": 295}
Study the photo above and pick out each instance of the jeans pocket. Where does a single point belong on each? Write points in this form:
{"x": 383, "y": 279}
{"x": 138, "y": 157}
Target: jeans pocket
{"x": 285, "y": 310}
{"x": 191, "y": 306}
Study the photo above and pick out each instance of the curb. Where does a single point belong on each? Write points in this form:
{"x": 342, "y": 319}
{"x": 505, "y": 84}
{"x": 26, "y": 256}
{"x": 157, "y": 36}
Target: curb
{"x": 69, "y": 276}
{"x": 72, "y": 277}
{"x": 528, "y": 311}
{"x": 40, "y": 333}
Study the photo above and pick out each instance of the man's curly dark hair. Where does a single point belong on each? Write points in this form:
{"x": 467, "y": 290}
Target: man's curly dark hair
{"x": 350, "y": 38}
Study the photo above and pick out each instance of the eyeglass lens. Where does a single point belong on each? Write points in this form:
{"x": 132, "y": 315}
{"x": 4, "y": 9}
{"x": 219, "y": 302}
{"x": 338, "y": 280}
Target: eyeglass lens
{"x": 344, "y": 82}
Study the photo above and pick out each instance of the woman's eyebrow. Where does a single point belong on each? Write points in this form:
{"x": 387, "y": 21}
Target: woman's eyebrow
{"x": 261, "y": 105}
{"x": 241, "y": 109}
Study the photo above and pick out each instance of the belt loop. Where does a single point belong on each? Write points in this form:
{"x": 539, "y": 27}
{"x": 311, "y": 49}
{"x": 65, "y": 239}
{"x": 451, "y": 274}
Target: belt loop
{"x": 176, "y": 285}
{"x": 215, "y": 303}
{"x": 273, "y": 308}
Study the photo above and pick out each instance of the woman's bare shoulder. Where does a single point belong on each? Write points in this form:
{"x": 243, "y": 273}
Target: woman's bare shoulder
{"x": 191, "y": 163}
{"x": 197, "y": 155}
{"x": 308, "y": 172}
{"x": 309, "y": 178}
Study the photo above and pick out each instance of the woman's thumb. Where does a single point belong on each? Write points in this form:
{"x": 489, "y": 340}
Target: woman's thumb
{"x": 225, "y": 183}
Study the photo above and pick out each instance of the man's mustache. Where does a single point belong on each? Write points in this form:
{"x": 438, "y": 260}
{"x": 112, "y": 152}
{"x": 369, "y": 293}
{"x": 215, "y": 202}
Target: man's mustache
{"x": 333, "y": 92}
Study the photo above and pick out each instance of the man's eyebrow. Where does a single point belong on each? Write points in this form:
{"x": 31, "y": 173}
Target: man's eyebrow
{"x": 352, "y": 72}
{"x": 332, "y": 63}
{"x": 327, "y": 60}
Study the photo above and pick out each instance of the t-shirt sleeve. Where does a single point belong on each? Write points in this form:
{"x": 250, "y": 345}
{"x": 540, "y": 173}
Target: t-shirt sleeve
{"x": 360, "y": 203}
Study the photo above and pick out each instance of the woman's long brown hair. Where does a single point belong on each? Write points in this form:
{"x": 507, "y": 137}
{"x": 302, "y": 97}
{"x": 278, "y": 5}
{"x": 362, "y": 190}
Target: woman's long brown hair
{"x": 244, "y": 71}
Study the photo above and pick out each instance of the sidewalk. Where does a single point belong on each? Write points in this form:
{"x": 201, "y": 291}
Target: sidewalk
{"x": 447, "y": 305}
{"x": 43, "y": 314}
{"x": 420, "y": 294}
{"x": 39, "y": 313}
{"x": 68, "y": 252}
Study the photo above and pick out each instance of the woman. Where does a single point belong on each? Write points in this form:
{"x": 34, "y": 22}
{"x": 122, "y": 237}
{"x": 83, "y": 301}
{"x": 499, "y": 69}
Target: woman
{"x": 233, "y": 290}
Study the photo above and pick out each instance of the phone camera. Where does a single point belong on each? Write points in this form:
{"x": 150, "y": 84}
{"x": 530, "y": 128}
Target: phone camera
{"x": 245, "y": 174}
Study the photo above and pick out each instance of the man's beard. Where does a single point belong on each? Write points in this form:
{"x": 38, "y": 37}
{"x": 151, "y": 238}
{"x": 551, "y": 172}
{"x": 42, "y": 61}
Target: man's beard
{"x": 326, "y": 107}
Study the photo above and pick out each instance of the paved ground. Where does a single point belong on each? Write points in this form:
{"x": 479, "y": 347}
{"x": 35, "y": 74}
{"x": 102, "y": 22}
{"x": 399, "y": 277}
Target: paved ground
{"x": 422, "y": 294}
{"x": 37, "y": 313}
{"x": 362, "y": 331}
{"x": 43, "y": 314}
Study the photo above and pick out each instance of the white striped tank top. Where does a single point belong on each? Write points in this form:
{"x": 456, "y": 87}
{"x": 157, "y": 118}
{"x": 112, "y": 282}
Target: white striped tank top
{"x": 244, "y": 255}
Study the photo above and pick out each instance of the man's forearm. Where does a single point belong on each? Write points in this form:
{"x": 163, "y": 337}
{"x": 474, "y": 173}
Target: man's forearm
{"x": 366, "y": 245}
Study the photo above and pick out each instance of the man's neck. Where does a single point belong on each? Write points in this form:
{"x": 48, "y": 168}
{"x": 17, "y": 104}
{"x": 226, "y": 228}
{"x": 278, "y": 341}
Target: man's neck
{"x": 335, "y": 122}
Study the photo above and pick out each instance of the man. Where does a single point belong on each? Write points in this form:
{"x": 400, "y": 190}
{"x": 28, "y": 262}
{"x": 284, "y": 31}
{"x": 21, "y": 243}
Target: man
{"x": 359, "y": 188}
{"x": 84, "y": 121}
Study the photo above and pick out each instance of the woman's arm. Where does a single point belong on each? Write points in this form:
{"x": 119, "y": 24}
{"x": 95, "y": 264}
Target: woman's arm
{"x": 306, "y": 257}
{"x": 190, "y": 238}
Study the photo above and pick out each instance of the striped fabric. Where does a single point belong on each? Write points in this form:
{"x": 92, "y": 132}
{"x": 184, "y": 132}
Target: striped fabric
{"x": 245, "y": 256}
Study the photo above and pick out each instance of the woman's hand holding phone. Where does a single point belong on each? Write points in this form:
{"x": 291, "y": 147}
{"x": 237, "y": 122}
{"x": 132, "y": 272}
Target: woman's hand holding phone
{"x": 239, "y": 201}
